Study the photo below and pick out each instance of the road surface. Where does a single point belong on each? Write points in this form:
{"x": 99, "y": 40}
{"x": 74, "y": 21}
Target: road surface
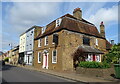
{"x": 19, "y": 74}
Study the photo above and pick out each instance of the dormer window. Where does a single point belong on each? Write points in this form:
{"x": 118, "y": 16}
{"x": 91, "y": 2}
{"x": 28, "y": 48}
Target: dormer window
{"x": 43, "y": 29}
{"x": 58, "y": 22}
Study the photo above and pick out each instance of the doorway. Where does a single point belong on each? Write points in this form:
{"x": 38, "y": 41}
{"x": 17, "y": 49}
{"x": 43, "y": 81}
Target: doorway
{"x": 45, "y": 60}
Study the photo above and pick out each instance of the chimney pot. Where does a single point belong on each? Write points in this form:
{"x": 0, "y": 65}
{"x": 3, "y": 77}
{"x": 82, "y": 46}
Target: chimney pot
{"x": 102, "y": 23}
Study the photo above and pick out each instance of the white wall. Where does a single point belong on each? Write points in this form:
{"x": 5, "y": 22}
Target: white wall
{"x": 22, "y": 43}
{"x": 30, "y": 40}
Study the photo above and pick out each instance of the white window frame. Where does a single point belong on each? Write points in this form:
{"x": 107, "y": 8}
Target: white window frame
{"x": 43, "y": 29}
{"x": 39, "y": 42}
{"x": 58, "y": 23}
{"x": 96, "y": 41}
{"x": 89, "y": 57}
{"x": 45, "y": 40}
{"x": 56, "y": 56}
{"x": 99, "y": 58}
{"x": 39, "y": 54}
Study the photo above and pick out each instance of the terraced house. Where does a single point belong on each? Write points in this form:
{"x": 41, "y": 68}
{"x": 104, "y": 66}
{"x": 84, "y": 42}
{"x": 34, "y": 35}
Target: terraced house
{"x": 58, "y": 40}
{"x": 26, "y": 45}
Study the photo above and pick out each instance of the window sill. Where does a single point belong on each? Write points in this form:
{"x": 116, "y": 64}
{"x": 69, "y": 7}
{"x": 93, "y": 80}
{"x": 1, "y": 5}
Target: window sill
{"x": 46, "y": 45}
{"x": 54, "y": 62}
{"x": 39, "y": 46}
{"x": 39, "y": 62}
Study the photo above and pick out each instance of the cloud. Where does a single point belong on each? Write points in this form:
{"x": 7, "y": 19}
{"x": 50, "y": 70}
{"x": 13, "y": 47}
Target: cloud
{"x": 106, "y": 15}
{"x": 60, "y": 0}
{"x": 25, "y": 15}
{"x": 19, "y": 16}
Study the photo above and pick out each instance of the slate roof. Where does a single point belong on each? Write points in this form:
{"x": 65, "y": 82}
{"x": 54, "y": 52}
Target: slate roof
{"x": 69, "y": 22}
{"x": 89, "y": 49}
{"x": 30, "y": 29}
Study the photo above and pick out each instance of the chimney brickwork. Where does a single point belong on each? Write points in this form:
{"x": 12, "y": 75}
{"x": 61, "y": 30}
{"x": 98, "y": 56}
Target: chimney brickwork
{"x": 102, "y": 30}
{"x": 77, "y": 13}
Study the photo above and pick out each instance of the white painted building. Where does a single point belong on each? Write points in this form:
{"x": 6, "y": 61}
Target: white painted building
{"x": 28, "y": 58}
{"x": 22, "y": 48}
{"x": 27, "y": 45}
{"x": 22, "y": 43}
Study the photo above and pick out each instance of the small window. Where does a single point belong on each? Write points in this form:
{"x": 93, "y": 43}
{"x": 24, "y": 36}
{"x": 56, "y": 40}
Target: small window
{"x": 98, "y": 58}
{"x": 97, "y": 42}
{"x": 54, "y": 56}
{"x": 39, "y": 43}
{"x": 31, "y": 31}
{"x": 86, "y": 41}
{"x": 46, "y": 40}
{"x": 39, "y": 57}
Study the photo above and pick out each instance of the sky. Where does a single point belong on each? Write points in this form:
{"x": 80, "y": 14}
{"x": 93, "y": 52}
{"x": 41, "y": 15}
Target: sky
{"x": 16, "y": 17}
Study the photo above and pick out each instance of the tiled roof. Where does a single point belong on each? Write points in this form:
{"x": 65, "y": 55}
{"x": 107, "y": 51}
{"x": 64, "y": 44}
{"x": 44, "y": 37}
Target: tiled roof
{"x": 71, "y": 23}
{"x": 89, "y": 49}
{"x": 30, "y": 29}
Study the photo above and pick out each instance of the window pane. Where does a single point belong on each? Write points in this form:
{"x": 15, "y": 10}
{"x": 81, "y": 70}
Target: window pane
{"x": 54, "y": 56}
{"x": 86, "y": 41}
{"x": 39, "y": 57}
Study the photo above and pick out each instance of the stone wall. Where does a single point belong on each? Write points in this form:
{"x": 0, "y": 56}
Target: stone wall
{"x": 68, "y": 43}
{"x": 96, "y": 72}
{"x": 72, "y": 41}
{"x": 50, "y": 47}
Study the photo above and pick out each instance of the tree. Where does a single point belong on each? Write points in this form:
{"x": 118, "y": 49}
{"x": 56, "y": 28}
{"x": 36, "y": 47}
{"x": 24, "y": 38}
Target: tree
{"x": 78, "y": 56}
{"x": 114, "y": 55}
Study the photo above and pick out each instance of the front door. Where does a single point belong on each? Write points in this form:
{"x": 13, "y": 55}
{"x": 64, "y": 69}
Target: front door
{"x": 93, "y": 57}
{"x": 45, "y": 60}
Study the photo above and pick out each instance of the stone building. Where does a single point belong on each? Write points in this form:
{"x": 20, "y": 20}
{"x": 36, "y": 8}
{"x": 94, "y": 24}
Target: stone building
{"x": 15, "y": 55}
{"x": 57, "y": 41}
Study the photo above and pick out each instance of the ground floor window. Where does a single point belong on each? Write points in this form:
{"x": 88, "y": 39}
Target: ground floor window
{"x": 54, "y": 56}
{"x": 39, "y": 57}
{"x": 93, "y": 57}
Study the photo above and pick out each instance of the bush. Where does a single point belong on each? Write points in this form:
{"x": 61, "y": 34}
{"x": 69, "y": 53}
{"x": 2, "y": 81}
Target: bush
{"x": 87, "y": 64}
{"x": 6, "y": 59}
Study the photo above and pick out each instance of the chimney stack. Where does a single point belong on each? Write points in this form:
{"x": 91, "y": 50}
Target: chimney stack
{"x": 77, "y": 13}
{"x": 102, "y": 30}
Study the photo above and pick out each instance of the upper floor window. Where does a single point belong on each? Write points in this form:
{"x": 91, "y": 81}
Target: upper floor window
{"x": 54, "y": 56}
{"x": 86, "y": 41}
{"x": 39, "y": 57}
{"x": 46, "y": 40}
{"x": 31, "y": 31}
{"x": 55, "y": 38}
{"x": 39, "y": 42}
{"x": 58, "y": 22}
{"x": 43, "y": 29}
{"x": 97, "y": 42}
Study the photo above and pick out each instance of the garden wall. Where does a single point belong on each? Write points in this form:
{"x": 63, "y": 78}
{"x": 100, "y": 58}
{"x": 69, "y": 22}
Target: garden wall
{"x": 95, "y": 72}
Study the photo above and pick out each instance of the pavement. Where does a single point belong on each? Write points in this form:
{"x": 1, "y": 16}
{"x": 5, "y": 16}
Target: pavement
{"x": 73, "y": 76}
